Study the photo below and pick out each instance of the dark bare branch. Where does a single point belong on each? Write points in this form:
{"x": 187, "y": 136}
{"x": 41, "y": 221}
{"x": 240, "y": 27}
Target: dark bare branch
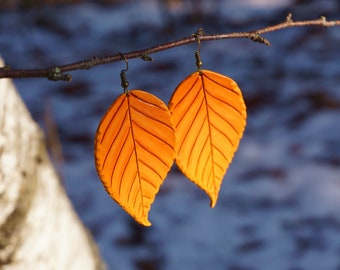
{"x": 60, "y": 72}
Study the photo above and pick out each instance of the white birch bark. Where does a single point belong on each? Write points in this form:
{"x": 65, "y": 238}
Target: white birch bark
{"x": 39, "y": 229}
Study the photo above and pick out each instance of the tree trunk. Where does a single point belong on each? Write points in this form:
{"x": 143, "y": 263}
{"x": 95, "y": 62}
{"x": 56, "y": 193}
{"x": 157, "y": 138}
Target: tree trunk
{"x": 39, "y": 229}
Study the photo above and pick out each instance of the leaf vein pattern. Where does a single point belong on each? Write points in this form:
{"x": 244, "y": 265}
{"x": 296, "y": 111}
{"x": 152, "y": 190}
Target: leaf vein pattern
{"x": 221, "y": 152}
{"x": 135, "y": 200}
{"x": 122, "y": 177}
{"x": 197, "y": 133}
{"x": 221, "y": 132}
{"x": 112, "y": 117}
{"x": 150, "y": 117}
{"x": 209, "y": 126}
{"x": 135, "y": 149}
{"x": 223, "y": 101}
{"x": 208, "y": 77}
{"x": 185, "y": 136}
{"x": 115, "y": 137}
{"x": 201, "y": 155}
{"x": 219, "y": 166}
{"x": 153, "y": 169}
{"x": 152, "y": 134}
{"x": 188, "y": 107}
{"x": 185, "y": 96}
{"x": 226, "y": 120}
{"x": 144, "y": 179}
{"x": 145, "y": 101}
{"x": 152, "y": 153}
{"x": 211, "y": 174}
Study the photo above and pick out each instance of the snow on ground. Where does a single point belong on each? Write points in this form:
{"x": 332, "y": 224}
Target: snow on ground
{"x": 279, "y": 205}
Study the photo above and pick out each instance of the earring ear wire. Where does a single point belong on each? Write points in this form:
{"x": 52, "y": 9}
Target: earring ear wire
{"x": 123, "y": 57}
{"x": 198, "y": 34}
{"x": 124, "y": 81}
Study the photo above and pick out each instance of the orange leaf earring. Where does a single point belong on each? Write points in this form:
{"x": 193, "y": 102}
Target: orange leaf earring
{"x": 209, "y": 116}
{"x": 134, "y": 149}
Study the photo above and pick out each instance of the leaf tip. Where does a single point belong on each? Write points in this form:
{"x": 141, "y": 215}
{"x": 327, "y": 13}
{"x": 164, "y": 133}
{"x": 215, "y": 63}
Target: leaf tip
{"x": 213, "y": 200}
{"x": 145, "y": 222}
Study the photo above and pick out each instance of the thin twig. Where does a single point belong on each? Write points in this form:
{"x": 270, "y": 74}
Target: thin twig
{"x": 60, "y": 72}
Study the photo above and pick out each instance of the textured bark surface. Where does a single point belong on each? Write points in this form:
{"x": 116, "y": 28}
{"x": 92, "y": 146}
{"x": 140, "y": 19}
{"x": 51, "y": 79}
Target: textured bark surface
{"x": 39, "y": 229}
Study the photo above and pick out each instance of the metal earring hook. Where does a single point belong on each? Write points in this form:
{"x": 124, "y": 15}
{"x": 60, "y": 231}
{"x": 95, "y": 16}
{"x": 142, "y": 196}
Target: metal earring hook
{"x": 199, "y": 33}
{"x": 124, "y": 81}
{"x": 123, "y": 57}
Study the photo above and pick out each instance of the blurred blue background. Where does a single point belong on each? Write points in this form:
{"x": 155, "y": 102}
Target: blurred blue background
{"x": 279, "y": 204}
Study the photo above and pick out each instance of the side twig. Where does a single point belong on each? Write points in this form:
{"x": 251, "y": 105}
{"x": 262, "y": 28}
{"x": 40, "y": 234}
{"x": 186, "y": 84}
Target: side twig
{"x": 60, "y": 72}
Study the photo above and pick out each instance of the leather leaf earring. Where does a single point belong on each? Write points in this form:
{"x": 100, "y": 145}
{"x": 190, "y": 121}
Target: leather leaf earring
{"x": 134, "y": 149}
{"x": 209, "y": 116}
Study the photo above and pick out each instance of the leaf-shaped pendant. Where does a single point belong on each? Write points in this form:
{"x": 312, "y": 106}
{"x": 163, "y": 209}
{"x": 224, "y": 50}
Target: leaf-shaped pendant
{"x": 209, "y": 115}
{"x": 134, "y": 151}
